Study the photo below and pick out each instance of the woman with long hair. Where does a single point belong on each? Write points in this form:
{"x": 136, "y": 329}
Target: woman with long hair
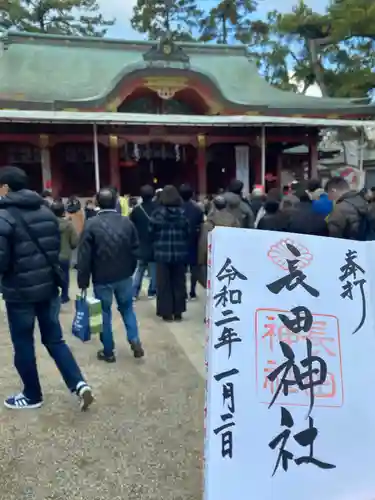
{"x": 169, "y": 231}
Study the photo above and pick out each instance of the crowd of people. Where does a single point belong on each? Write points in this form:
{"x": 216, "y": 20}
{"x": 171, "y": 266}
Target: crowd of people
{"x": 164, "y": 234}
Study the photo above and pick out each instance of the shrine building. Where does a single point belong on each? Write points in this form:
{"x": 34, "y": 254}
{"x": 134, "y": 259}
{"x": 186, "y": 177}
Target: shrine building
{"x": 80, "y": 113}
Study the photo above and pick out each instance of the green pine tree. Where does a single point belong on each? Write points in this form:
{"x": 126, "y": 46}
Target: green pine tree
{"x": 156, "y": 17}
{"x": 335, "y": 50}
{"x": 65, "y": 17}
{"x": 228, "y": 20}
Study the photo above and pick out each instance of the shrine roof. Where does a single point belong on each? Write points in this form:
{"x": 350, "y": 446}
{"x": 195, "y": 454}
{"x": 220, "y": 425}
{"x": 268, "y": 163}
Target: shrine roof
{"x": 58, "y": 72}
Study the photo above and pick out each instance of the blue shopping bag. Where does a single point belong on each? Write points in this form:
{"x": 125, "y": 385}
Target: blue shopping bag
{"x": 81, "y": 321}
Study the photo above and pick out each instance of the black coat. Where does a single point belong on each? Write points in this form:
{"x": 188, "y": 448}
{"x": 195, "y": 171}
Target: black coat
{"x": 26, "y": 275}
{"x": 194, "y": 215}
{"x": 140, "y": 217}
{"x": 108, "y": 249}
{"x": 278, "y": 221}
{"x": 90, "y": 212}
{"x": 304, "y": 220}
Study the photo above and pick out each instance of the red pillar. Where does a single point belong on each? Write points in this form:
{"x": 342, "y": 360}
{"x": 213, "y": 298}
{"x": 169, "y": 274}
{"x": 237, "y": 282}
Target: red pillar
{"x": 114, "y": 166}
{"x": 57, "y": 165}
{"x": 256, "y": 163}
{"x": 201, "y": 164}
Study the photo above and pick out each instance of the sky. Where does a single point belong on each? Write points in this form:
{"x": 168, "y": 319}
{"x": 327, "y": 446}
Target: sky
{"x": 122, "y": 10}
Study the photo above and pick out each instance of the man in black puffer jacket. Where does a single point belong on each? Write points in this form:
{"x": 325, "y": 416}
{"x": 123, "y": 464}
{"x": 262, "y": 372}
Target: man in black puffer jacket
{"x": 108, "y": 252}
{"x": 29, "y": 288}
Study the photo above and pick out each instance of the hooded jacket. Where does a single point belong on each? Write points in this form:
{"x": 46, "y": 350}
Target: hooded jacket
{"x": 345, "y": 219}
{"x": 321, "y": 203}
{"x": 68, "y": 238}
{"x": 240, "y": 209}
{"x": 26, "y": 274}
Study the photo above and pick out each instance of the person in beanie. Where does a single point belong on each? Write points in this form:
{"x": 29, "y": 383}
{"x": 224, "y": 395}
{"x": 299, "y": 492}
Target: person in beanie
{"x": 29, "y": 254}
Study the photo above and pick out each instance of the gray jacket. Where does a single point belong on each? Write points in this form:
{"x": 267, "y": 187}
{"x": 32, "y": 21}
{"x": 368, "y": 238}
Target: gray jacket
{"x": 240, "y": 209}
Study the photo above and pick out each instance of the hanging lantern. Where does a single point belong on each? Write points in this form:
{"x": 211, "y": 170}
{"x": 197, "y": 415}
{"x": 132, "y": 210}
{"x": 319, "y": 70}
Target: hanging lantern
{"x": 177, "y": 152}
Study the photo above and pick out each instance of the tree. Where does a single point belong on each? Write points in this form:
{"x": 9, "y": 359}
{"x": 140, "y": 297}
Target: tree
{"x": 335, "y": 50}
{"x": 233, "y": 21}
{"x": 350, "y": 19}
{"x": 65, "y": 17}
{"x": 270, "y": 51}
{"x": 227, "y": 21}
{"x": 156, "y": 17}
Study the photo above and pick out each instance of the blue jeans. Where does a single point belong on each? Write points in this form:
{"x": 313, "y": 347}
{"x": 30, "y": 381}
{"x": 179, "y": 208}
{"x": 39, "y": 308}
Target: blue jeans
{"x": 65, "y": 267}
{"x": 21, "y": 318}
{"x": 123, "y": 292}
{"x": 138, "y": 278}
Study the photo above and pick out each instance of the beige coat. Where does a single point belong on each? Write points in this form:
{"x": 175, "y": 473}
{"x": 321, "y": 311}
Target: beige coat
{"x": 222, "y": 218}
{"x": 78, "y": 220}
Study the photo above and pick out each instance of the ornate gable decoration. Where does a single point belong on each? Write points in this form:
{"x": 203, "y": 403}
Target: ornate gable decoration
{"x": 166, "y": 51}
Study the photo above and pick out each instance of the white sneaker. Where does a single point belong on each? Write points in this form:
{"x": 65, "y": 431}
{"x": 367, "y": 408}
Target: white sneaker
{"x": 21, "y": 402}
{"x": 85, "y": 396}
